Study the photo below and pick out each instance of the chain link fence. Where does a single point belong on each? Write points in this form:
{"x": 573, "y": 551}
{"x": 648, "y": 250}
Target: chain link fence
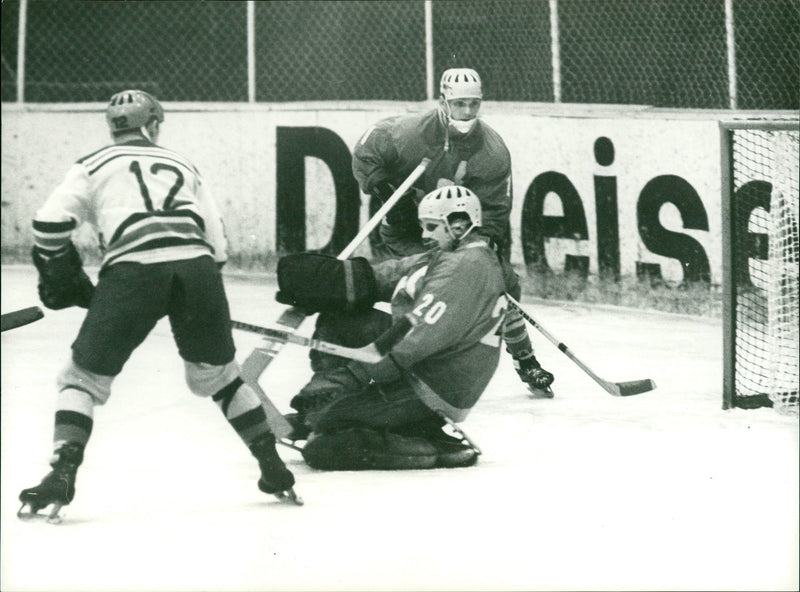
{"x": 707, "y": 54}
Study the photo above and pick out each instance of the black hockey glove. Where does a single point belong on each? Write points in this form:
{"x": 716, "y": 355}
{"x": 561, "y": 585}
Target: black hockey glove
{"x": 62, "y": 281}
{"x": 317, "y": 282}
{"x": 405, "y": 209}
{"x": 353, "y": 377}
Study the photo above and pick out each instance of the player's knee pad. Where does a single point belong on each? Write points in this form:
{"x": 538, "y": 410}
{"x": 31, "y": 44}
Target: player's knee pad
{"x": 206, "y": 380}
{"x": 79, "y": 401}
{"x": 97, "y": 386}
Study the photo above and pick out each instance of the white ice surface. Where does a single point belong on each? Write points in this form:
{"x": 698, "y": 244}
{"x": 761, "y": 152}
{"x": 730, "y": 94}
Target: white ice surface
{"x": 660, "y": 491}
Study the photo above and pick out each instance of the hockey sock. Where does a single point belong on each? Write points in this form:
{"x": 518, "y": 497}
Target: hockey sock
{"x": 515, "y": 335}
{"x": 242, "y": 408}
{"x": 74, "y": 417}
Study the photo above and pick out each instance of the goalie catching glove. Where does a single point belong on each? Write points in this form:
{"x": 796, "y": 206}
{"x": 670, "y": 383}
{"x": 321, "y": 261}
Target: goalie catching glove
{"x": 62, "y": 281}
{"x": 318, "y": 283}
{"x": 406, "y": 207}
{"x": 354, "y": 377}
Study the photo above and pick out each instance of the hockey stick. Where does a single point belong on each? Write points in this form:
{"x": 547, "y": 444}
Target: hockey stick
{"x": 18, "y": 318}
{"x": 368, "y": 354}
{"x": 618, "y": 389}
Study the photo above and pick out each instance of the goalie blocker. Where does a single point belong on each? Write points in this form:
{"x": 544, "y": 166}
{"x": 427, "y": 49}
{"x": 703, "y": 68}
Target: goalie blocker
{"x": 315, "y": 282}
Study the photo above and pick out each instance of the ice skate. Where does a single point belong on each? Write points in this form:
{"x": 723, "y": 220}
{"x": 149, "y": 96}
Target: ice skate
{"x": 453, "y": 452}
{"x": 535, "y": 377}
{"x": 57, "y": 489}
{"x": 275, "y": 478}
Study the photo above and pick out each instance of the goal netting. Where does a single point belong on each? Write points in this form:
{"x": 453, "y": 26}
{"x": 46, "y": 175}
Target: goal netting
{"x": 760, "y": 215}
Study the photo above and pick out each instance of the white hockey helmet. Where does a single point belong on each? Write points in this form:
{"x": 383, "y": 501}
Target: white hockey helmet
{"x": 132, "y": 109}
{"x": 461, "y": 83}
{"x": 442, "y": 203}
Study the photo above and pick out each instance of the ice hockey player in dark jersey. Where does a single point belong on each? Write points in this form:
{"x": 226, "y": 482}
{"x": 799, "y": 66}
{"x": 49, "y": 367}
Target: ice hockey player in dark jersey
{"x": 464, "y": 150}
{"x": 163, "y": 247}
{"x": 389, "y": 415}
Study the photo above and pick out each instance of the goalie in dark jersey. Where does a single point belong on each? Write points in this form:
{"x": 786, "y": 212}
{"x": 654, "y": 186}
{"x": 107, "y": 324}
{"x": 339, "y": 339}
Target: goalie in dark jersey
{"x": 390, "y": 415}
{"x": 466, "y": 151}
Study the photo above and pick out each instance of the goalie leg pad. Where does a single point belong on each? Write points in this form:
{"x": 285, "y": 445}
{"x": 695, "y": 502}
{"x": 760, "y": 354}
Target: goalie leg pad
{"x": 316, "y": 283}
{"x": 363, "y": 449}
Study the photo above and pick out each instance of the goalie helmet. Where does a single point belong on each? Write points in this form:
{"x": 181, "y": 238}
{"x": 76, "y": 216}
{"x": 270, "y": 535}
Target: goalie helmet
{"x": 461, "y": 83}
{"x": 132, "y": 109}
{"x": 442, "y": 203}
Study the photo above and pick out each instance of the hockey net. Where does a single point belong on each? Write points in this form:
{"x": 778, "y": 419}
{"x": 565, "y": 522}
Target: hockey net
{"x": 760, "y": 215}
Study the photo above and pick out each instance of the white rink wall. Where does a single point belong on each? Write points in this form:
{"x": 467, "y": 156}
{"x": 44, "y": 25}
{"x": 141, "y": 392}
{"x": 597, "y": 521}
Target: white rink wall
{"x": 235, "y": 148}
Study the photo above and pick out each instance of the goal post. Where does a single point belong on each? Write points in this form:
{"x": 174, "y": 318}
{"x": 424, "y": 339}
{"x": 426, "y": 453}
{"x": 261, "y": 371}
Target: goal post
{"x": 761, "y": 353}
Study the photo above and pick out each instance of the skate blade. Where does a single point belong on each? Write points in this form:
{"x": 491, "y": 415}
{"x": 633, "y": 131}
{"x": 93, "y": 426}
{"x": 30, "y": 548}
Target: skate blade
{"x": 290, "y": 444}
{"x": 538, "y": 393}
{"x": 28, "y": 514}
{"x": 290, "y": 496}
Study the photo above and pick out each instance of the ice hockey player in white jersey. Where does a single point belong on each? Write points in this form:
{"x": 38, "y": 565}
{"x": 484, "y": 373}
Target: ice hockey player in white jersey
{"x": 390, "y": 415}
{"x": 163, "y": 247}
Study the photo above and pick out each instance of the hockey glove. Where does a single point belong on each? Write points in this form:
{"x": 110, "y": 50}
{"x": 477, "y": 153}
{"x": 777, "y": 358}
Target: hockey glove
{"x": 405, "y": 209}
{"x": 62, "y": 281}
{"x": 317, "y": 282}
{"x": 352, "y": 378}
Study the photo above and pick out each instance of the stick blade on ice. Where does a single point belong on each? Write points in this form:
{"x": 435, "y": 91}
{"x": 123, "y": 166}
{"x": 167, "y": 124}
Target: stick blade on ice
{"x": 634, "y": 387}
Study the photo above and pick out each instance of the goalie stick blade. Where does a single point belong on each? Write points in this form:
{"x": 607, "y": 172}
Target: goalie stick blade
{"x": 633, "y": 387}
{"x": 18, "y": 318}
{"x": 251, "y": 371}
{"x": 290, "y": 444}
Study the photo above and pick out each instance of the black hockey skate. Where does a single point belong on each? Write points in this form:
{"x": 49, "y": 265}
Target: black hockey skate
{"x": 57, "y": 489}
{"x": 275, "y": 478}
{"x": 453, "y": 452}
{"x": 453, "y": 449}
{"x": 537, "y": 378}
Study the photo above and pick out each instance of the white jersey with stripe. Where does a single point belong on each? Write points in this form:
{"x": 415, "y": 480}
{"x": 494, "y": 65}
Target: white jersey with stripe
{"x": 148, "y": 204}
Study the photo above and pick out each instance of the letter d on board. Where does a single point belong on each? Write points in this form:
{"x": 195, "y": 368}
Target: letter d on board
{"x": 293, "y": 145}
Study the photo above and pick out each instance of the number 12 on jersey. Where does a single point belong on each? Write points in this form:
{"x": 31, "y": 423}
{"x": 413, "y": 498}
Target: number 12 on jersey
{"x": 155, "y": 169}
